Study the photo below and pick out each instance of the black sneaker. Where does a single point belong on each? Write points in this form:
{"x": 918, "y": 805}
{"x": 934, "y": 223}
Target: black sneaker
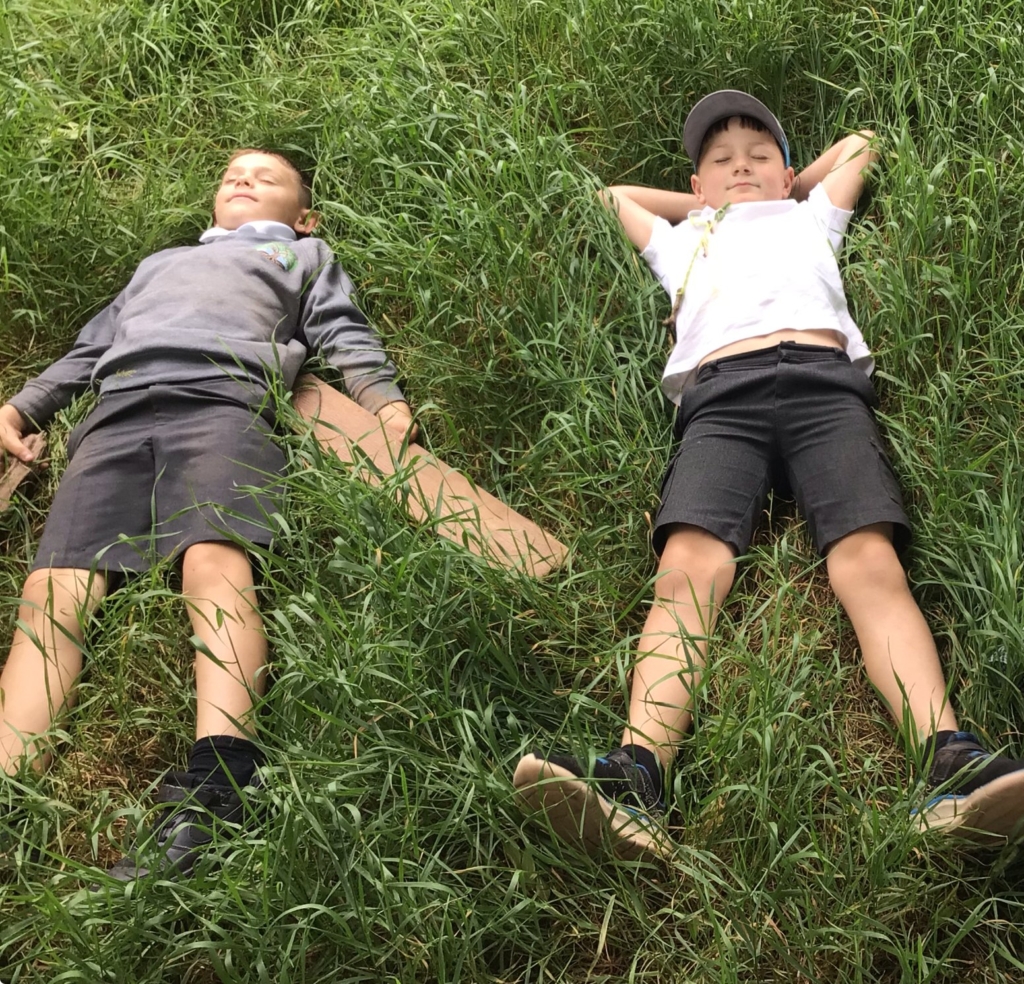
{"x": 194, "y": 813}
{"x": 616, "y": 804}
{"x": 978, "y": 795}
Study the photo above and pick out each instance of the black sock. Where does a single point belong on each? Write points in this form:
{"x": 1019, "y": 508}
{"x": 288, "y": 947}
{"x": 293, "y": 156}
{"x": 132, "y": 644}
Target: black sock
{"x": 645, "y": 758}
{"x": 224, "y": 761}
{"x": 932, "y": 744}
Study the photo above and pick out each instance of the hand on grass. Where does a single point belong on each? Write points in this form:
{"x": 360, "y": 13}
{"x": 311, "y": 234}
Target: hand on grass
{"x": 397, "y": 416}
{"x": 12, "y": 429}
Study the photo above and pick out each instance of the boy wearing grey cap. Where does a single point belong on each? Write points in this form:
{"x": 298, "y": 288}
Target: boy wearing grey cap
{"x": 771, "y": 379}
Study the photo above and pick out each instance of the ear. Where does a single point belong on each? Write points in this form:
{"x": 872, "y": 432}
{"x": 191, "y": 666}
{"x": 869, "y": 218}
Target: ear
{"x": 695, "y": 185}
{"x": 787, "y": 184}
{"x": 306, "y": 222}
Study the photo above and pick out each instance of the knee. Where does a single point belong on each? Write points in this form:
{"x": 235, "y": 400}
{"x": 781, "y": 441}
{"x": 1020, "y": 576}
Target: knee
{"x": 63, "y": 587}
{"x": 694, "y": 565}
{"x": 39, "y": 587}
{"x": 865, "y": 562}
{"x": 209, "y": 566}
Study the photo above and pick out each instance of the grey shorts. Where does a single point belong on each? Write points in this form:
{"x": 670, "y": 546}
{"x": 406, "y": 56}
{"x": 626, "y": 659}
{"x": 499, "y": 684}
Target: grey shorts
{"x": 795, "y": 418}
{"x": 153, "y": 471}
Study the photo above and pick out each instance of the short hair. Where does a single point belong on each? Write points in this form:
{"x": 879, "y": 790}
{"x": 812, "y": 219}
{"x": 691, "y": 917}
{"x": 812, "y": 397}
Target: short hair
{"x": 720, "y": 126}
{"x": 304, "y": 176}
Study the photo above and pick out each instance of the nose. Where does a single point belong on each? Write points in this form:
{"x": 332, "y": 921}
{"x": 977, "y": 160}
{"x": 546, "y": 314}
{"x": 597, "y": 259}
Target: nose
{"x": 740, "y": 163}
{"x": 243, "y": 179}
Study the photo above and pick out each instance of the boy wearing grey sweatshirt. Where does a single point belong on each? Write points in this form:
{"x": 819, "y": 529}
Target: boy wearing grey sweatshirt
{"x": 165, "y": 465}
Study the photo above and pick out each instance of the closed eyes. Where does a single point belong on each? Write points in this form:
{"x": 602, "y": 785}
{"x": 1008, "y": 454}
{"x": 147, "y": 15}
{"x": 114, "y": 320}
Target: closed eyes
{"x": 267, "y": 177}
{"x": 753, "y": 157}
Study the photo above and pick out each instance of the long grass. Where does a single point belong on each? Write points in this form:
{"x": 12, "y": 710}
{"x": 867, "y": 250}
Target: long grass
{"x": 457, "y": 146}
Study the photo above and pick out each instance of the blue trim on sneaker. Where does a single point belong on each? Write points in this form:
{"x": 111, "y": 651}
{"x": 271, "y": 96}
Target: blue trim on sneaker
{"x": 936, "y": 799}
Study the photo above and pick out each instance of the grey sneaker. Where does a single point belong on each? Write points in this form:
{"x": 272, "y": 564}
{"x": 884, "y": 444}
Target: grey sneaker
{"x": 615, "y": 806}
{"x": 195, "y": 816}
{"x": 977, "y": 795}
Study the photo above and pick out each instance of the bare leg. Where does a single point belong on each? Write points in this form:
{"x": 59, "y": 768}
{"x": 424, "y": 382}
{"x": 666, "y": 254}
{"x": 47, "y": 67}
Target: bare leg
{"x": 694, "y": 576}
{"x": 218, "y": 587}
{"x": 38, "y": 680}
{"x": 898, "y": 650}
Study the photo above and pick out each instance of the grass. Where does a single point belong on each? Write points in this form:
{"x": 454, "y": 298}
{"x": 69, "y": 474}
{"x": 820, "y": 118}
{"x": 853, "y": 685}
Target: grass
{"x": 457, "y": 146}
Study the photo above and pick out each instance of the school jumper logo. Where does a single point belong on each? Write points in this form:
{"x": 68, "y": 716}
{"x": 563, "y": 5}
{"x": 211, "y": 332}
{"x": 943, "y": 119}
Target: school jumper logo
{"x": 279, "y": 253}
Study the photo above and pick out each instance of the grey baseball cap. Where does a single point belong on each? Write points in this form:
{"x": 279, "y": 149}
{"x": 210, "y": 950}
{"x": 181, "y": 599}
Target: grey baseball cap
{"x": 720, "y": 106}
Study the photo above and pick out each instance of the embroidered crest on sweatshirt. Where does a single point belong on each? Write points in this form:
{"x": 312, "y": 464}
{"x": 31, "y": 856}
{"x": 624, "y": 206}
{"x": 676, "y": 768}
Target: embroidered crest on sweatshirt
{"x": 279, "y": 253}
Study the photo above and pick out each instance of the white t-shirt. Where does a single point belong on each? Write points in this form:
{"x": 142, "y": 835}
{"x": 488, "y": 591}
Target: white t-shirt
{"x": 767, "y": 266}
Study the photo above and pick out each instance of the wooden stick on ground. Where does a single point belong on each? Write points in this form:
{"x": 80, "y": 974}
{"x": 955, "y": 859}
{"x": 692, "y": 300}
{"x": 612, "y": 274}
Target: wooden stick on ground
{"x": 17, "y": 471}
{"x": 458, "y": 509}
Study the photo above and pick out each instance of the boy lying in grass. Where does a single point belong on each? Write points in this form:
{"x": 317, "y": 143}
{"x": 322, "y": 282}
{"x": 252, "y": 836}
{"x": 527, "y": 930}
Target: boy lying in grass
{"x": 165, "y": 465}
{"x": 770, "y": 375}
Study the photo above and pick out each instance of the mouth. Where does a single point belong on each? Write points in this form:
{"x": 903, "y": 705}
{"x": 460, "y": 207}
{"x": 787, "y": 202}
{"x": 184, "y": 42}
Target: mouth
{"x": 742, "y": 184}
{"x": 242, "y": 195}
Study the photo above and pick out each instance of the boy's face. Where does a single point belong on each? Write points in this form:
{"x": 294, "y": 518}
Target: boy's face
{"x": 741, "y": 165}
{"x": 260, "y": 186}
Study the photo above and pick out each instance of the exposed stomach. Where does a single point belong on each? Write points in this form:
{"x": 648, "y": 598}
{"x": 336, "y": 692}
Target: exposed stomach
{"x": 809, "y": 336}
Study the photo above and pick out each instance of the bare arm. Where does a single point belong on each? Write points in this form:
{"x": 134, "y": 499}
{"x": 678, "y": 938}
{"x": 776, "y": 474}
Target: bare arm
{"x": 840, "y": 169}
{"x": 637, "y": 207}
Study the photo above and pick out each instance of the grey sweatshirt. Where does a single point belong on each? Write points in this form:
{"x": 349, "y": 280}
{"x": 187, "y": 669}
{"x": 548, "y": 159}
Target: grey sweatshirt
{"x": 243, "y": 304}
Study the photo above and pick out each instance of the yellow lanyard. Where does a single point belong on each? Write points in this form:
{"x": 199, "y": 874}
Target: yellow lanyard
{"x": 702, "y": 247}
